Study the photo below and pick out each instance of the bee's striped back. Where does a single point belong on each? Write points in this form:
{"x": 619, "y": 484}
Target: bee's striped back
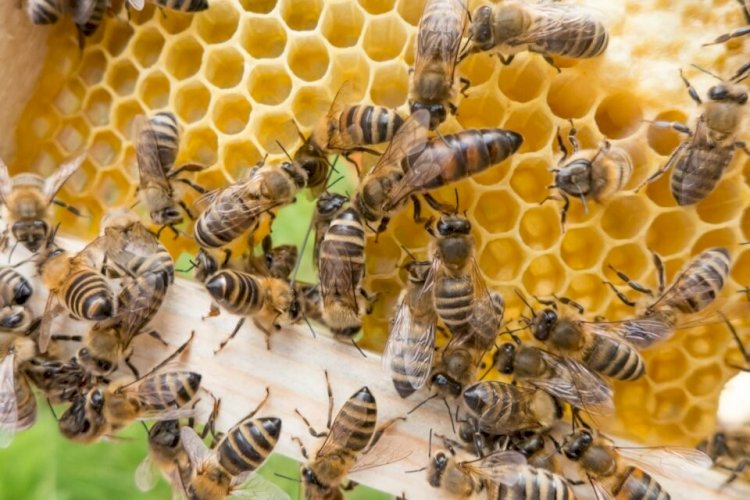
{"x": 247, "y": 445}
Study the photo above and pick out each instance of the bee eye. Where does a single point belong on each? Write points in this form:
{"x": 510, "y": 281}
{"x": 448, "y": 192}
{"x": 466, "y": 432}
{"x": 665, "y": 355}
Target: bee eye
{"x": 718, "y": 93}
{"x": 85, "y": 426}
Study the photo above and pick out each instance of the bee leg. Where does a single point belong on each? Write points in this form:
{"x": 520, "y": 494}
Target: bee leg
{"x": 452, "y": 108}
{"x": 741, "y": 145}
{"x": 741, "y": 465}
{"x": 301, "y": 445}
{"x": 69, "y": 208}
{"x": 260, "y": 405}
{"x": 196, "y": 187}
{"x": 212, "y": 311}
{"x": 506, "y": 60}
{"x": 329, "y": 393}
{"x": 465, "y": 84}
{"x": 659, "y": 265}
{"x": 740, "y": 74}
{"x": 740, "y": 346}
{"x": 67, "y": 338}
{"x": 632, "y": 284}
{"x": 571, "y": 303}
{"x": 691, "y": 90}
{"x": 725, "y": 37}
{"x": 132, "y": 367}
{"x": 619, "y": 294}
{"x": 310, "y": 428}
{"x": 349, "y": 486}
{"x": 186, "y": 209}
{"x": 210, "y": 426}
{"x": 186, "y": 167}
{"x": 380, "y": 431}
{"x": 231, "y": 335}
{"x": 157, "y": 336}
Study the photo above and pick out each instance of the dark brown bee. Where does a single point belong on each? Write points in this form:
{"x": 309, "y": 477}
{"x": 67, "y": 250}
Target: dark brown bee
{"x": 431, "y": 84}
{"x": 157, "y": 141}
{"x": 547, "y": 28}
{"x": 342, "y": 269}
{"x": 275, "y": 261}
{"x": 326, "y": 208}
{"x": 449, "y": 158}
{"x": 17, "y": 401}
{"x": 228, "y": 467}
{"x": 411, "y": 343}
{"x": 352, "y": 127}
{"x": 503, "y": 408}
{"x": 610, "y": 471}
{"x": 27, "y": 199}
{"x": 701, "y": 160}
{"x": 106, "y": 409}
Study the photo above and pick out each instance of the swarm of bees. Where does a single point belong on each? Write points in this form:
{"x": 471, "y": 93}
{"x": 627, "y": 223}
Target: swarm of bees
{"x": 528, "y": 431}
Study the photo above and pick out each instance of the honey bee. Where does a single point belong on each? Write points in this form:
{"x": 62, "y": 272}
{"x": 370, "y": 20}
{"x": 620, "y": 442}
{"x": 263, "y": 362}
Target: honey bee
{"x": 275, "y": 261}
{"x": 589, "y": 343}
{"x": 165, "y": 454}
{"x": 178, "y": 5}
{"x": 538, "y": 447}
{"x": 157, "y": 140}
{"x": 594, "y": 174}
{"x": 700, "y": 161}
{"x": 74, "y": 286}
{"x": 503, "y": 408}
{"x": 17, "y": 319}
{"x": 326, "y": 208}
{"x": 108, "y": 408}
{"x": 729, "y": 449}
{"x": 504, "y": 474}
{"x": 61, "y": 382}
{"x": 15, "y": 290}
{"x": 616, "y": 472}
{"x": 228, "y": 469}
{"x": 351, "y": 437}
{"x": 266, "y": 299}
{"x": 431, "y": 83}
{"x": 347, "y": 128}
{"x": 44, "y": 11}
{"x": 563, "y": 378}
{"x": 17, "y": 402}
{"x": 235, "y": 209}
{"x": 449, "y": 158}
{"x": 342, "y": 268}
{"x": 408, "y": 353}
{"x": 27, "y": 198}
{"x": 545, "y": 28}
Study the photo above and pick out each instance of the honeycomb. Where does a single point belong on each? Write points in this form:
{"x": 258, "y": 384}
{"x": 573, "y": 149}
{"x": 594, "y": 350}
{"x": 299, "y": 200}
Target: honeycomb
{"x": 239, "y": 75}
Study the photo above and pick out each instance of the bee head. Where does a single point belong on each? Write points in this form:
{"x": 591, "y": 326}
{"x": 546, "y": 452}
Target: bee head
{"x": 15, "y": 318}
{"x": 505, "y": 357}
{"x": 309, "y": 478}
{"x": 543, "y": 324}
{"x": 438, "y": 463}
{"x": 438, "y": 112}
{"x": 576, "y": 444}
{"x": 446, "y": 385}
{"x": 81, "y": 421}
{"x": 30, "y": 233}
{"x": 418, "y": 270}
{"x": 168, "y": 216}
{"x": 528, "y": 443}
{"x": 96, "y": 365}
{"x": 296, "y": 173}
{"x": 450, "y": 225}
{"x": 165, "y": 434}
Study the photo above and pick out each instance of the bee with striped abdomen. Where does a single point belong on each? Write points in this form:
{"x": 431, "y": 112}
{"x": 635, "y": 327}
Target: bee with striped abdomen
{"x": 156, "y": 145}
{"x": 411, "y": 343}
{"x": 17, "y": 401}
{"x": 74, "y": 286}
{"x": 107, "y": 408}
{"x": 431, "y": 83}
{"x": 449, "y": 158}
{"x": 619, "y": 472}
{"x": 594, "y": 174}
{"x": 178, "y": 5}
{"x": 87, "y": 16}
{"x": 15, "y": 291}
{"x": 548, "y": 28}
{"x": 502, "y": 408}
{"x": 27, "y": 199}
{"x": 45, "y": 11}
{"x": 229, "y": 468}
{"x": 347, "y": 127}
{"x": 699, "y": 162}
{"x": 326, "y": 208}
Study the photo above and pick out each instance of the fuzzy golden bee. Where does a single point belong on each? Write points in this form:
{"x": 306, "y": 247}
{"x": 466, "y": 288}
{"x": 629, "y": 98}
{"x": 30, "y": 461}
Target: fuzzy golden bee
{"x": 27, "y": 199}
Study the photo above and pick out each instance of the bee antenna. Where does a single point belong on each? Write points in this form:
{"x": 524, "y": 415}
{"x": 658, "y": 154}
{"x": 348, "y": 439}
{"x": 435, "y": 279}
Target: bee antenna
{"x": 309, "y": 325}
{"x": 704, "y": 70}
{"x": 12, "y": 249}
{"x": 336, "y": 181}
{"x": 429, "y": 445}
{"x": 144, "y": 426}
{"x": 193, "y": 265}
{"x": 359, "y": 349}
{"x": 523, "y": 299}
{"x": 282, "y": 476}
{"x": 450, "y": 415}
{"x": 455, "y": 192}
{"x": 411, "y": 255}
{"x": 286, "y": 153}
{"x": 421, "y": 403}
{"x": 741, "y": 73}
{"x": 52, "y": 409}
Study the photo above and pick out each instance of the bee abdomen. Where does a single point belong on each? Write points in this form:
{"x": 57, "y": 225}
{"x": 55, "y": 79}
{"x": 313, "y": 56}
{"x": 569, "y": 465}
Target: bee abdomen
{"x": 345, "y": 239}
{"x": 173, "y": 389}
{"x": 537, "y": 484}
{"x": 638, "y": 485}
{"x": 358, "y": 416}
{"x": 166, "y": 132}
{"x": 14, "y": 288}
{"x": 26, "y": 406}
{"x": 248, "y": 444}
{"x": 701, "y": 282}
{"x": 159, "y": 263}
{"x": 614, "y": 359}
{"x": 407, "y": 383}
{"x": 235, "y": 291}
{"x": 184, "y": 5}
{"x": 88, "y": 296}
{"x": 692, "y": 180}
{"x": 44, "y": 11}
{"x": 366, "y": 125}
{"x": 453, "y": 302}
{"x": 583, "y": 38}
{"x": 212, "y": 231}
{"x": 90, "y": 26}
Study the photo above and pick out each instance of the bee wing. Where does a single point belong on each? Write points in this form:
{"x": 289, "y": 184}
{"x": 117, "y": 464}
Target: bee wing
{"x": 138, "y": 301}
{"x": 386, "y": 451}
{"x": 504, "y": 467}
{"x": 439, "y": 41}
{"x": 601, "y": 491}
{"x": 6, "y": 182}
{"x": 238, "y": 203}
{"x": 420, "y": 170}
{"x": 409, "y": 140}
{"x": 415, "y": 350}
{"x": 8, "y": 402}
{"x": 258, "y": 488}
{"x": 553, "y": 21}
{"x": 336, "y": 276}
{"x": 146, "y": 474}
{"x": 578, "y": 386}
{"x": 718, "y": 312}
{"x": 196, "y": 449}
{"x": 642, "y": 332}
{"x": 485, "y": 320}
{"x": 341, "y": 100}
{"x": 670, "y": 462}
{"x": 51, "y": 310}
{"x": 521, "y": 397}
{"x": 150, "y": 168}
{"x": 137, "y": 4}
{"x": 82, "y": 11}
{"x": 53, "y": 184}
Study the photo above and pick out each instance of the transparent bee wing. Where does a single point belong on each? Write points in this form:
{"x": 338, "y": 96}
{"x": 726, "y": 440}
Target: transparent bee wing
{"x": 409, "y": 140}
{"x": 259, "y": 488}
{"x": 138, "y": 301}
{"x": 6, "y": 182}
{"x": 671, "y": 462}
{"x": 196, "y": 449}
{"x": 137, "y": 4}
{"x": 718, "y": 312}
{"x": 51, "y": 310}
{"x": 504, "y": 467}
{"x": 238, "y": 204}
{"x": 439, "y": 41}
{"x": 642, "y": 332}
{"x": 555, "y": 20}
{"x": 150, "y": 168}
{"x": 602, "y": 492}
{"x": 53, "y": 184}
{"x": 388, "y": 450}
{"x": 82, "y": 11}
{"x": 146, "y": 475}
{"x": 8, "y": 401}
